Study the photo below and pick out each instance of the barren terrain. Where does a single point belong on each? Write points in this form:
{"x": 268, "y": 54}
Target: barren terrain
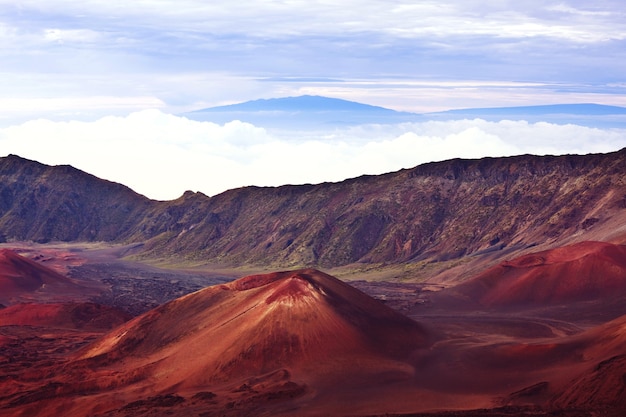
{"x": 214, "y": 352}
{"x": 493, "y": 287}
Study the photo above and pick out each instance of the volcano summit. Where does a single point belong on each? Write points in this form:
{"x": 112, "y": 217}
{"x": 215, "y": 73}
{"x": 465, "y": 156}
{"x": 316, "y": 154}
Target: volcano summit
{"x": 252, "y": 344}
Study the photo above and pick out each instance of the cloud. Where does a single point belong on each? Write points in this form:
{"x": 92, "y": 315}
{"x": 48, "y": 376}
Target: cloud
{"x": 294, "y": 18}
{"x": 161, "y": 155}
{"x": 93, "y": 48}
{"x": 72, "y": 35}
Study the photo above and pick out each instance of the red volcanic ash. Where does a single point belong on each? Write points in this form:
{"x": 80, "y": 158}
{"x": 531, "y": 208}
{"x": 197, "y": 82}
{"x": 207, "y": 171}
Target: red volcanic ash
{"x": 583, "y": 271}
{"x": 263, "y": 342}
{"x": 79, "y": 316}
{"x": 602, "y": 383}
{"x": 601, "y": 388}
{"x": 263, "y": 322}
{"x": 22, "y": 279}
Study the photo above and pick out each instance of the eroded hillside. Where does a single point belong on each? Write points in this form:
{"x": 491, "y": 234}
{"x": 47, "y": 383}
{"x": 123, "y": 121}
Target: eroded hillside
{"x": 435, "y": 212}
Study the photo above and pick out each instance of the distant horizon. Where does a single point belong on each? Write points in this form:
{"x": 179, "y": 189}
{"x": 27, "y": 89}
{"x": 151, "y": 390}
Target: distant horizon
{"x": 68, "y": 59}
{"x": 189, "y": 190}
{"x": 310, "y": 183}
{"x": 162, "y": 155}
{"x": 102, "y": 85}
{"x": 453, "y": 109}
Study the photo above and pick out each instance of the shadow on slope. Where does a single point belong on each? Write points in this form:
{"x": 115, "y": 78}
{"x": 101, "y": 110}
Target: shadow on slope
{"x": 583, "y": 273}
{"x": 298, "y": 339}
{"x": 25, "y": 280}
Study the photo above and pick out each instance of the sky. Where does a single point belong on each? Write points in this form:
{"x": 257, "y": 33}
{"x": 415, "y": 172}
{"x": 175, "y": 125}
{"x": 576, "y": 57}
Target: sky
{"x": 99, "y": 84}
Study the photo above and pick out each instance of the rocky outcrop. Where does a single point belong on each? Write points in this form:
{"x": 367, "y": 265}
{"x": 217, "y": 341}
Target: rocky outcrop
{"x": 60, "y": 203}
{"x": 433, "y": 212}
{"x": 437, "y": 211}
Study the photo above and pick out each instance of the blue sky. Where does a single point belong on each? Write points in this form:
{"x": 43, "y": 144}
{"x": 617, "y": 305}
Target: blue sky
{"x": 102, "y": 56}
{"x": 68, "y": 61}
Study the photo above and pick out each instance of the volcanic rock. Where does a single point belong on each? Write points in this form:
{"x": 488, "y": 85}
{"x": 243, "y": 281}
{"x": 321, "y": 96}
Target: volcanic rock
{"x": 80, "y": 316}
{"x": 434, "y": 213}
{"x": 582, "y": 271}
{"x": 24, "y": 280}
{"x": 299, "y": 320}
{"x": 263, "y": 341}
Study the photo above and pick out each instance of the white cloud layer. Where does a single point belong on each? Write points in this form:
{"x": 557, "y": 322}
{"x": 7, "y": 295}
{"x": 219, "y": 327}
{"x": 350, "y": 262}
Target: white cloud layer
{"x": 161, "y": 155}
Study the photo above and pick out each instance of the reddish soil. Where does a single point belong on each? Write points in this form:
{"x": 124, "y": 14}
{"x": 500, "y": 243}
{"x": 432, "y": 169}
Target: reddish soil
{"x": 582, "y": 271}
{"x": 23, "y": 280}
{"x": 56, "y": 258}
{"x": 79, "y": 316}
{"x": 304, "y": 343}
{"x": 255, "y": 342}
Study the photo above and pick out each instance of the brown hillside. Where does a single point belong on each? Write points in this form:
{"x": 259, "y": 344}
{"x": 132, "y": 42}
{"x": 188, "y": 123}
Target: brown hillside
{"x": 44, "y": 203}
{"x": 602, "y": 386}
{"x": 582, "y": 271}
{"x": 582, "y": 372}
{"x": 83, "y": 316}
{"x": 266, "y": 341}
{"x": 263, "y": 322}
{"x": 22, "y": 279}
{"x": 437, "y": 212}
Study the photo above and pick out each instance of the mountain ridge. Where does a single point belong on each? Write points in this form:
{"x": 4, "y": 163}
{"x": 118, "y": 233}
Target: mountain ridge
{"x": 435, "y": 212}
{"x": 315, "y": 103}
{"x": 318, "y": 112}
{"x": 35, "y": 196}
{"x": 301, "y": 112}
{"x": 545, "y": 109}
{"x": 298, "y": 103}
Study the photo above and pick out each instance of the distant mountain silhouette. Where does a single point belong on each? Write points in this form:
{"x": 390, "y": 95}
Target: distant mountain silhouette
{"x": 299, "y": 104}
{"x": 587, "y": 109}
{"x": 306, "y": 112}
{"x": 586, "y": 114}
{"x": 301, "y": 112}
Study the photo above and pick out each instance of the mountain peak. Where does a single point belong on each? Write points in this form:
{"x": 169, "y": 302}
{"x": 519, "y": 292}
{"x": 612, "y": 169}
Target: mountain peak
{"x": 261, "y": 324}
{"x": 301, "y": 111}
{"x": 546, "y": 109}
{"x": 305, "y": 103}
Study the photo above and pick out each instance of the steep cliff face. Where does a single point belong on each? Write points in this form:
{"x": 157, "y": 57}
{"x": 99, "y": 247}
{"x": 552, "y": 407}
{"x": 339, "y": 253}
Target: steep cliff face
{"x": 435, "y": 212}
{"x": 44, "y": 203}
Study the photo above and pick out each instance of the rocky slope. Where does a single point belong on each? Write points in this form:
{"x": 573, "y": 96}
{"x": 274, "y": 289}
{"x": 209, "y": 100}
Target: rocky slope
{"x": 584, "y": 271}
{"x": 263, "y": 342}
{"x": 25, "y": 280}
{"x": 434, "y": 212}
{"x": 46, "y": 203}
{"x": 70, "y": 315}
